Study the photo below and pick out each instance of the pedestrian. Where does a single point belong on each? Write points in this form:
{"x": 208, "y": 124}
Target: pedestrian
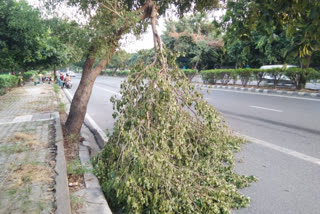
{"x": 66, "y": 80}
{"x": 40, "y": 77}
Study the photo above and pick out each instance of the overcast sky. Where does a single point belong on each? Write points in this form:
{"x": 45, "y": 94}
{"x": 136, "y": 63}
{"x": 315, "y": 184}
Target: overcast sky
{"x": 129, "y": 42}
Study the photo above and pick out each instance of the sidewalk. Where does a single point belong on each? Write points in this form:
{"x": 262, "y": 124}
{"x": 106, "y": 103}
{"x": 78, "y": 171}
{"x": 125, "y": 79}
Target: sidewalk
{"x": 32, "y": 167}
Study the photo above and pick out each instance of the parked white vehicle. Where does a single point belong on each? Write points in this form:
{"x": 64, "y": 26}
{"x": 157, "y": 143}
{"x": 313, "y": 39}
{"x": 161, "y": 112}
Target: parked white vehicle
{"x": 71, "y": 73}
{"x": 283, "y": 78}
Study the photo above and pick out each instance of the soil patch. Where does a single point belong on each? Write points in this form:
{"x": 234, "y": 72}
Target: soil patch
{"x": 71, "y": 147}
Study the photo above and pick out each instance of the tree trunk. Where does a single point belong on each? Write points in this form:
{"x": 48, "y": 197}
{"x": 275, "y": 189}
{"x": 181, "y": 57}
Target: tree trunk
{"x": 81, "y": 98}
{"x": 303, "y": 81}
{"x": 114, "y": 71}
{"x": 54, "y": 72}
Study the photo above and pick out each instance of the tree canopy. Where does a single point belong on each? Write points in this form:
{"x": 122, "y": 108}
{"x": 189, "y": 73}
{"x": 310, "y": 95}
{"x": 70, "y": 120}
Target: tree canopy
{"x": 28, "y": 41}
{"x": 293, "y": 25}
{"x": 196, "y": 40}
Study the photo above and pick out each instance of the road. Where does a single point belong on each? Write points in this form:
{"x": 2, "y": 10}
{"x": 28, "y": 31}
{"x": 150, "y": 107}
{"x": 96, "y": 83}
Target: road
{"x": 284, "y": 154}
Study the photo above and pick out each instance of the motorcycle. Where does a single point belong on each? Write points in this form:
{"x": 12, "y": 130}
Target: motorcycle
{"x": 68, "y": 84}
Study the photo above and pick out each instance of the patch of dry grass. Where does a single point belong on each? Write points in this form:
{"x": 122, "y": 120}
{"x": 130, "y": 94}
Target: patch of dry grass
{"x": 29, "y": 174}
{"x": 26, "y": 139}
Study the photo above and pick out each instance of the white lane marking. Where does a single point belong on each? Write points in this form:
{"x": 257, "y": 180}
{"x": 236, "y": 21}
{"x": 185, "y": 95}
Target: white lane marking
{"x": 110, "y": 91}
{"x": 283, "y": 150}
{"x": 269, "y": 109}
{"x": 270, "y": 95}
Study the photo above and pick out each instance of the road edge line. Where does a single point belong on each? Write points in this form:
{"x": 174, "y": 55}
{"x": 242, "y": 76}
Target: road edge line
{"x": 286, "y": 151}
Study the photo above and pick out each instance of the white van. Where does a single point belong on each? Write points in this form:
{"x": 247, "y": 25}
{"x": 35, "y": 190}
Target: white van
{"x": 283, "y": 78}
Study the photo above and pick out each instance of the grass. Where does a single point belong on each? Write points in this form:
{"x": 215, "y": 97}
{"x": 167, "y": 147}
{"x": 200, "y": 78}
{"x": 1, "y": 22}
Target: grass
{"x": 22, "y": 139}
{"x": 61, "y": 107}
{"x": 76, "y": 202}
{"x": 56, "y": 88}
{"x": 13, "y": 148}
{"x": 29, "y": 174}
{"x": 75, "y": 168}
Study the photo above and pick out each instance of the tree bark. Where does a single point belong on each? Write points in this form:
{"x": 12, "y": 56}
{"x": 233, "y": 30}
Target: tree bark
{"x": 54, "y": 71}
{"x": 303, "y": 81}
{"x": 81, "y": 98}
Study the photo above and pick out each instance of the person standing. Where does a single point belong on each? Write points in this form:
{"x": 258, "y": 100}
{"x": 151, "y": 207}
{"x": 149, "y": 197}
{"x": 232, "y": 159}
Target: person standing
{"x": 66, "y": 80}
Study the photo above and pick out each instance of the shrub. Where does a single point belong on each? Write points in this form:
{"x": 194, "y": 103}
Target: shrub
{"x": 234, "y": 76}
{"x": 29, "y": 75}
{"x": 300, "y": 76}
{"x": 190, "y": 73}
{"x": 223, "y": 75}
{"x": 276, "y": 74}
{"x": 258, "y": 75}
{"x": 7, "y": 81}
{"x": 245, "y": 75}
{"x": 209, "y": 76}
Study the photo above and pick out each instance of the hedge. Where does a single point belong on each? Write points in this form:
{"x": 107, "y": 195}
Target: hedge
{"x": 7, "y": 81}
{"x": 190, "y": 73}
{"x": 29, "y": 75}
{"x": 300, "y": 76}
{"x": 296, "y": 75}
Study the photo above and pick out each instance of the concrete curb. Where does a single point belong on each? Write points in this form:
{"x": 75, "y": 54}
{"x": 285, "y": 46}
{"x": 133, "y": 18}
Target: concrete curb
{"x": 266, "y": 91}
{"x": 91, "y": 124}
{"x": 93, "y": 189}
{"x": 62, "y": 191}
{"x": 93, "y": 195}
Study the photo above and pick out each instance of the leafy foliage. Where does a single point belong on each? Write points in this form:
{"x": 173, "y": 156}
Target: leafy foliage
{"x": 285, "y": 28}
{"x": 299, "y": 76}
{"x": 190, "y": 73}
{"x": 170, "y": 151}
{"x": 29, "y": 42}
{"x": 196, "y": 40}
{"x": 29, "y": 75}
{"x": 6, "y": 82}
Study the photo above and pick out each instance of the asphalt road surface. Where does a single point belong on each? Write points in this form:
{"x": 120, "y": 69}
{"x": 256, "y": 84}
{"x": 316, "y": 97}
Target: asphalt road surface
{"x": 284, "y": 153}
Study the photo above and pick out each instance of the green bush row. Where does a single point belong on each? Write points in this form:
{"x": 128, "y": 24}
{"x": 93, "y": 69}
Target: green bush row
{"x": 7, "y": 81}
{"x": 296, "y": 75}
{"x": 29, "y": 75}
{"x": 190, "y": 73}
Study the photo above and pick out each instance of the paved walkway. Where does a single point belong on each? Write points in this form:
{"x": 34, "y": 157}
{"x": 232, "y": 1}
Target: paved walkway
{"x": 27, "y": 150}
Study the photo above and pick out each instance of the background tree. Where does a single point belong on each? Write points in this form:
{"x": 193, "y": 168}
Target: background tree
{"x": 21, "y": 35}
{"x": 119, "y": 60}
{"x": 289, "y": 26}
{"x": 195, "y": 38}
{"x": 299, "y": 20}
{"x": 70, "y": 42}
{"x": 29, "y": 42}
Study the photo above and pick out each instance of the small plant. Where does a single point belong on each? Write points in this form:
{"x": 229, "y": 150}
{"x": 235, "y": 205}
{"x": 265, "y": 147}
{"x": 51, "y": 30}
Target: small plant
{"x": 72, "y": 138}
{"x": 76, "y": 202}
{"x": 75, "y": 168}
{"x": 56, "y": 88}
{"x": 14, "y": 148}
{"x": 61, "y": 107}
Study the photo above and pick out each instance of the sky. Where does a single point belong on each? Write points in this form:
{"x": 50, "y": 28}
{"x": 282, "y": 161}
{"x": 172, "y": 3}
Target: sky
{"x": 129, "y": 42}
